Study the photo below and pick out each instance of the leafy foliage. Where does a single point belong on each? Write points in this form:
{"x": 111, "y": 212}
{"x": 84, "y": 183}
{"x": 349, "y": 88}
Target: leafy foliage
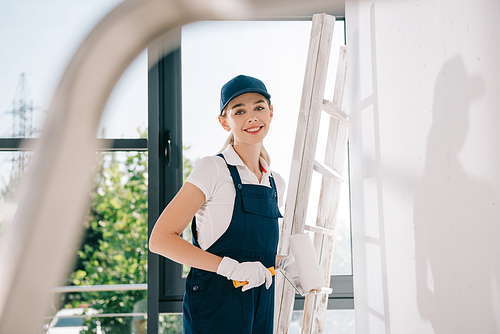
{"x": 114, "y": 248}
{"x": 114, "y": 245}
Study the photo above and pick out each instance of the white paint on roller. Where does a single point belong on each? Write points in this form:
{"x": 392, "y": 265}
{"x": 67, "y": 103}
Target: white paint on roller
{"x": 310, "y": 273}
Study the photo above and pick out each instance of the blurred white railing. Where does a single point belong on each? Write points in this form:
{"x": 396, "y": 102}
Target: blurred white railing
{"x": 106, "y": 287}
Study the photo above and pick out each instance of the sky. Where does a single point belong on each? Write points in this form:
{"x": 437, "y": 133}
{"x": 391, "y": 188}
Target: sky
{"x": 38, "y": 38}
{"x": 215, "y": 52}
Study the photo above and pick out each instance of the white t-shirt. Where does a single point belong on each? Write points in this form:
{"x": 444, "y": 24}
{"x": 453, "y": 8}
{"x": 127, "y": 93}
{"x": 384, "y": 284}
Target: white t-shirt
{"x": 212, "y": 177}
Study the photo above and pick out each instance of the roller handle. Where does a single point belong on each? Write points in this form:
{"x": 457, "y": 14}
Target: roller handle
{"x": 238, "y": 284}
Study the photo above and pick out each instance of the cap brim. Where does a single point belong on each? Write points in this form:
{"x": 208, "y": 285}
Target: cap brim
{"x": 244, "y": 91}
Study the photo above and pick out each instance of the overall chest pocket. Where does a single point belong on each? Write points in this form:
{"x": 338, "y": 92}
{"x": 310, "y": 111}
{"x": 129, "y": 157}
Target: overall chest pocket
{"x": 261, "y": 221}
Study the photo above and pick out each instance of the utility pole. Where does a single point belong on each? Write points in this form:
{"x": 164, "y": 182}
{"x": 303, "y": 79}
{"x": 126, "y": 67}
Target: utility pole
{"x": 22, "y": 127}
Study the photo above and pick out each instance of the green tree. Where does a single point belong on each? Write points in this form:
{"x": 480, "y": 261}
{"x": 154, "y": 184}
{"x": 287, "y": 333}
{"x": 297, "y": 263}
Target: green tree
{"x": 114, "y": 247}
{"x": 114, "y": 250}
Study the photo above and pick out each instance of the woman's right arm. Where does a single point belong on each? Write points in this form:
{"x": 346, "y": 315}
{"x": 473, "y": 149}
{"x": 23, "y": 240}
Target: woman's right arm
{"x": 166, "y": 240}
{"x": 166, "y": 237}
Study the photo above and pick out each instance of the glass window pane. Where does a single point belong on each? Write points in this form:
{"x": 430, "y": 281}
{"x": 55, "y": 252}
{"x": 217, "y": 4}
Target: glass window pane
{"x": 114, "y": 249}
{"x": 84, "y": 320}
{"x": 214, "y": 52}
{"x": 126, "y": 112}
{"x": 336, "y": 321}
{"x": 114, "y": 241}
{"x": 39, "y": 38}
{"x": 170, "y": 323}
{"x": 12, "y": 168}
{"x": 123, "y": 323}
{"x": 342, "y": 255}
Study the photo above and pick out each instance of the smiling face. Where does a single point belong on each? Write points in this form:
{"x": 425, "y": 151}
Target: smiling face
{"x": 248, "y": 116}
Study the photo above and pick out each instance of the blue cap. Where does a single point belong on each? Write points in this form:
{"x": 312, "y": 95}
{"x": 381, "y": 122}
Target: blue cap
{"x": 240, "y": 85}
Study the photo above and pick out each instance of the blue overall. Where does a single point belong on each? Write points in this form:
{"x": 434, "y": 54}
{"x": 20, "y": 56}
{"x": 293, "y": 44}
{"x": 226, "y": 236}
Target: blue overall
{"x": 211, "y": 303}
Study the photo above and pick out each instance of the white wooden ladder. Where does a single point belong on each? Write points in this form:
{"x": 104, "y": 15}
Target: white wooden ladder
{"x": 303, "y": 164}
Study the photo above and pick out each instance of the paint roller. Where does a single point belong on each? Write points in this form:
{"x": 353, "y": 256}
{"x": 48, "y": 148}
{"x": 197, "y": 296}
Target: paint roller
{"x": 309, "y": 272}
{"x": 305, "y": 275}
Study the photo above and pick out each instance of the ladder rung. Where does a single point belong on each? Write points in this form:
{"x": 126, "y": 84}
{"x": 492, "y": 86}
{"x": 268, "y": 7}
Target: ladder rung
{"x": 325, "y": 291}
{"x": 334, "y": 111}
{"x": 327, "y": 171}
{"x": 321, "y": 230}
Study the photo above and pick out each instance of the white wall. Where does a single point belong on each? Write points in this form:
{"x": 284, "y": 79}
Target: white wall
{"x": 424, "y": 91}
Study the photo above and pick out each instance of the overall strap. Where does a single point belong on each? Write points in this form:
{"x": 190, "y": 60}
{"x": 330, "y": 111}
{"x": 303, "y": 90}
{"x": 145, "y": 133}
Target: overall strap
{"x": 271, "y": 181}
{"x": 194, "y": 232}
{"x": 236, "y": 176}
{"x": 234, "y": 173}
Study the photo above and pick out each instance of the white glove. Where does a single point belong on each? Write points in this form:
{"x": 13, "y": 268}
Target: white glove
{"x": 253, "y": 272}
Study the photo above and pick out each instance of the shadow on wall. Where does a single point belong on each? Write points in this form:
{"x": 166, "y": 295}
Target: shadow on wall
{"x": 369, "y": 237}
{"x": 457, "y": 227}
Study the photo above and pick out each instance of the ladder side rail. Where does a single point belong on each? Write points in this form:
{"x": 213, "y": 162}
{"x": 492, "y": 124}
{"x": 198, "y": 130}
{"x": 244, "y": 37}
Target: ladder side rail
{"x": 328, "y": 209}
{"x": 284, "y": 292}
{"x": 300, "y": 136}
{"x": 318, "y": 89}
{"x": 336, "y": 148}
{"x": 339, "y": 88}
{"x": 307, "y": 317}
{"x": 314, "y": 85}
{"x": 315, "y": 322}
{"x": 311, "y": 300}
{"x": 339, "y": 146}
{"x": 335, "y": 154}
{"x": 315, "y": 309}
{"x": 322, "y": 300}
{"x": 340, "y": 78}
{"x": 309, "y": 155}
{"x": 282, "y": 287}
